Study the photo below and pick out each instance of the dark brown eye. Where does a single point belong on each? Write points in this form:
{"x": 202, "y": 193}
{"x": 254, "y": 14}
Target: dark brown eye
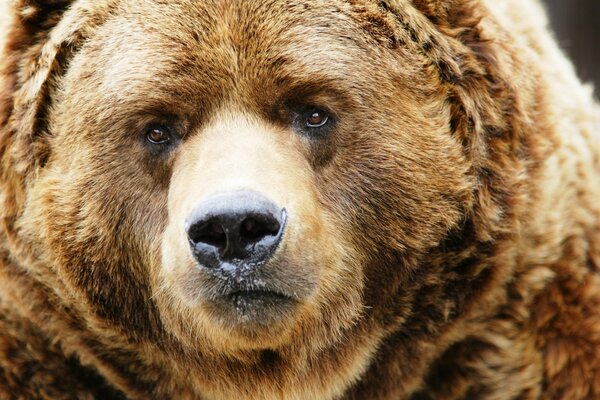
{"x": 158, "y": 135}
{"x": 316, "y": 119}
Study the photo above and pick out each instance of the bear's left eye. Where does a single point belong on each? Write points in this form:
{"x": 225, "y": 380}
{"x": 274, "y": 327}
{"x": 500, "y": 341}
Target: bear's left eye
{"x": 313, "y": 121}
{"x": 158, "y": 135}
{"x": 316, "y": 119}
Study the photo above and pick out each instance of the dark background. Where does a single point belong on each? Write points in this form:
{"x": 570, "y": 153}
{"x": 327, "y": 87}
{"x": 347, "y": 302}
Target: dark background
{"x": 577, "y": 27}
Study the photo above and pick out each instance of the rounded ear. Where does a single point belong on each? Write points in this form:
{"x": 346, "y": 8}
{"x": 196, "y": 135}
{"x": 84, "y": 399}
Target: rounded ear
{"x": 483, "y": 78}
{"x": 42, "y": 36}
{"x": 480, "y": 88}
{"x": 484, "y": 90}
{"x": 448, "y": 32}
{"x": 29, "y": 23}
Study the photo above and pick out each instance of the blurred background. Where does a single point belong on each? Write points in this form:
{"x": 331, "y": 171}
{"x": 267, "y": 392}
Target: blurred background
{"x": 577, "y": 27}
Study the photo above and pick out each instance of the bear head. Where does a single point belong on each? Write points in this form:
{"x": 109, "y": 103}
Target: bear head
{"x": 256, "y": 183}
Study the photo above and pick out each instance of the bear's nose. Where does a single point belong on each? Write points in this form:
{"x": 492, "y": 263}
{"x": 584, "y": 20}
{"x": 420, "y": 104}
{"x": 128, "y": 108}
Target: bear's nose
{"x": 234, "y": 229}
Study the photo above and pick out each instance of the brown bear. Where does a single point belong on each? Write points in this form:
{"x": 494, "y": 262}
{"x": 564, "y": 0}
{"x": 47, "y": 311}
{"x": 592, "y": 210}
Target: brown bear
{"x": 296, "y": 199}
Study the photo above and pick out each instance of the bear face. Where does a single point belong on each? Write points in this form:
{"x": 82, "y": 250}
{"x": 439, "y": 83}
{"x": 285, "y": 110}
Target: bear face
{"x": 233, "y": 96}
{"x": 269, "y": 190}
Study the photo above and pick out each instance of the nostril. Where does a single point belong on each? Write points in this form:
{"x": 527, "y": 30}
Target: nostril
{"x": 235, "y": 228}
{"x": 211, "y": 233}
{"x": 254, "y": 229}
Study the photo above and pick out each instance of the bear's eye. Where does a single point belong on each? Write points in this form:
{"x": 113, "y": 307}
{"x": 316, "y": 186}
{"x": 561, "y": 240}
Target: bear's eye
{"x": 312, "y": 121}
{"x": 316, "y": 118}
{"x": 158, "y": 135}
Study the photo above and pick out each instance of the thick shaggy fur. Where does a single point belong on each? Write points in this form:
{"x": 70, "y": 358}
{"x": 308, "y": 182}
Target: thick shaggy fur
{"x": 444, "y": 236}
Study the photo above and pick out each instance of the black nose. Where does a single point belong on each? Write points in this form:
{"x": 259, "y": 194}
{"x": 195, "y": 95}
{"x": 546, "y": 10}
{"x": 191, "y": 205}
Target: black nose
{"x": 235, "y": 228}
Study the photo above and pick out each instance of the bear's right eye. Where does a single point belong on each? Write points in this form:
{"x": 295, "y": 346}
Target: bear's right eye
{"x": 158, "y": 135}
{"x": 314, "y": 121}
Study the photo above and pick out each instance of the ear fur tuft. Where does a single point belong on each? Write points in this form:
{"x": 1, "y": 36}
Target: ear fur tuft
{"x": 39, "y": 15}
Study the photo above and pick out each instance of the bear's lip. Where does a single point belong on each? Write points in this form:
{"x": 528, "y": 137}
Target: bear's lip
{"x": 226, "y": 286}
{"x": 253, "y": 300}
{"x": 255, "y": 309}
{"x": 259, "y": 294}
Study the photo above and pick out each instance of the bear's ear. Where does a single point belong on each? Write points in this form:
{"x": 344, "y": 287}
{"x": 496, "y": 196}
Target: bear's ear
{"x": 39, "y": 42}
{"x": 41, "y": 38}
{"x": 24, "y": 68}
{"x": 450, "y": 33}
{"x": 468, "y": 61}
{"x": 457, "y": 19}
{"x": 449, "y": 13}
{"x": 446, "y": 30}
{"x": 29, "y": 50}
{"x": 33, "y": 49}
{"x": 28, "y": 26}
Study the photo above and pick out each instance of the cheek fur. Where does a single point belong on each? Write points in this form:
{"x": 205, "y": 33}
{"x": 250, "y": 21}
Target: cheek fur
{"x": 112, "y": 236}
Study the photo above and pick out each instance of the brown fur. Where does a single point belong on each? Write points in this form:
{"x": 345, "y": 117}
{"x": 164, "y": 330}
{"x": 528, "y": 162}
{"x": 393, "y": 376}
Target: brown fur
{"x": 444, "y": 238}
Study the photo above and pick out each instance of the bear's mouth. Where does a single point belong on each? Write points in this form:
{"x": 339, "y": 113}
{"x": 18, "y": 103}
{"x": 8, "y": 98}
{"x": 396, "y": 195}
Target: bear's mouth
{"x": 254, "y": 309}
{"x": 261, "y": 304}
{"x": 261, "y": 295}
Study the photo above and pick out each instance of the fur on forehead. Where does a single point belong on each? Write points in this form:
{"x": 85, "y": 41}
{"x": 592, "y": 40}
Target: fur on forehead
{"x": 54, "y": 28}
{"x": 50, "y": 32}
